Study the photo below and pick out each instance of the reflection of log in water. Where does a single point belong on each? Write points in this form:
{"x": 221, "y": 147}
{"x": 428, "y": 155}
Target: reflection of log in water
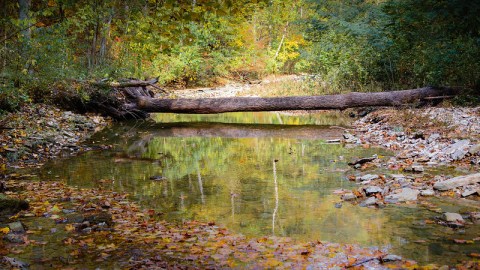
{"x": 227, "y": 130}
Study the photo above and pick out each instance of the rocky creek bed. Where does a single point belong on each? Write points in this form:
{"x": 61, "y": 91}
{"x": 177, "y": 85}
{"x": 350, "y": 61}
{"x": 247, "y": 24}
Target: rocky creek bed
{"x": 437, "y": 154}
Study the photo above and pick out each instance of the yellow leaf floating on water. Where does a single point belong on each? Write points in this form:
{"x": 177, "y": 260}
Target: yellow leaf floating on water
{"x": 55, "y": 209}
{"x": 5, "y": 230}
{"x": 69, "y": 227}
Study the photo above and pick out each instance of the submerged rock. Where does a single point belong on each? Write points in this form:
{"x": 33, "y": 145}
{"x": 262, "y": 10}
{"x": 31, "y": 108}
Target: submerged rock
{"x": 391, "y": 258}
{"x": 457, "y": 182}
{"x": 16, "y": 227}
{"x": 348, "y": 197}
{"x": 10, "y": 206}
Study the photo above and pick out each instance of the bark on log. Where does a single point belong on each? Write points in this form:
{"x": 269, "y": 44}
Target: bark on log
{"x": 328, "y": 102}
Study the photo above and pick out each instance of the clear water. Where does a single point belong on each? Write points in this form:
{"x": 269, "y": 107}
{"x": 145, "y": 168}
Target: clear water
{"x": 257, "y": 174}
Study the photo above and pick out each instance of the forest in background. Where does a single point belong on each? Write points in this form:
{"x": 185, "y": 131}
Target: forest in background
{"x": 49, "y": 48}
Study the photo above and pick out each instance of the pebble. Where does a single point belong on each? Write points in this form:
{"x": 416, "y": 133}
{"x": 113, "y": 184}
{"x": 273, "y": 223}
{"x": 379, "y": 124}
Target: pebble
{"x": 372, "y": 190}
{"x": 369, "y": 201}
{"x": 348, "y": 197}
{"x": 406, "y": 194}
{"x": 391, "y": 258}
{"x": 368, "y": 177}
{"x": 453, "y": 217}
{"x": 427, "y": 192}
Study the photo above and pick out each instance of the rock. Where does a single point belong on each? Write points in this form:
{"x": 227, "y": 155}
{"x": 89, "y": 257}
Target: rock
{"x": 468, "y": 192}
{"x": 14, "y": 238}
{"x": 368, "y": 202}
{"x": 453, "y": 218}
{"x": 102, "y": 217}
{"x": 16, "y": 227}
{"x": 348, "y": 197}
{"x": 433, "y": 137}
{"x": 427, "y": 192}
{"x": 475, "y": 217}
{"x": 415, "y": 168}
{"x": 14, "y": 263}
{"x": 338, "y": 205}
{"x": 397, "y": 177}
{"x": 391, "y": 258}
{"x": 407, "y": 194}
{"x": 474, "y": 150}
{"x": 349, "y": 138}
{"x": 373, "y": 190}
{"x": 457, "y": 150}
{"x": 10, "y": 206}
{"x": 459, "y": 181}
{"x": 368, "y": 177}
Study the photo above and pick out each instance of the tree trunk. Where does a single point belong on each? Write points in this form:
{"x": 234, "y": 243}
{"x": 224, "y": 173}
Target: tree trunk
{"x": 131, "y": 99}
{"x": 250, "y": 104}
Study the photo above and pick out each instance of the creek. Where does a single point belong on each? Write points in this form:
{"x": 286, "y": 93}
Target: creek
{"x": 258, "y": 174}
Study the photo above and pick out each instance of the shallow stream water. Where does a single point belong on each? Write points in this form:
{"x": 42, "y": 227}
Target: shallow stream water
{"x": 258, "y": 174}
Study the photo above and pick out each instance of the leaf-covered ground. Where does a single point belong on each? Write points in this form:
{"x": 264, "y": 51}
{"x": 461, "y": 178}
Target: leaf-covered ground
{"x": 100, "y": 227}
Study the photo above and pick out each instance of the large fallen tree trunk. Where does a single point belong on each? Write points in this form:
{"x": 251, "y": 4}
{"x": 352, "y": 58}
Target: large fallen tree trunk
{"x": 132, "y": 99}
{"x": 243, "y": 104}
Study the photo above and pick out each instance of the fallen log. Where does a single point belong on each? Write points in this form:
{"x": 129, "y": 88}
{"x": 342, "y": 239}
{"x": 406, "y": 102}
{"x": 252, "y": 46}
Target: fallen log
{"x": 328, "y": 102}
{"x": 132, "y": 99}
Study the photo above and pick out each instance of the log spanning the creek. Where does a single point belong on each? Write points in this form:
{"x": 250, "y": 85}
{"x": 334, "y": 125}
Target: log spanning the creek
{"x": 132, "y": 99}
{"x": 251, "y": 104}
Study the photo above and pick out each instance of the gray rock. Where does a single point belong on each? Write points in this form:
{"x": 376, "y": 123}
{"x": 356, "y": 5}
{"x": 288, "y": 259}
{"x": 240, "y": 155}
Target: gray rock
{"x": 453, "y": 218}
{"x": 348, "y": 197}
{"x": 475, "y": 217}
{"x": 455, "y": 150}
{"x": 14, "y": 238}
{"x": 349, "y": 138}
{"x": 427, "y": 192}
{"x": 397, "y": 176}
{"x": 369, "y": 201}
{"x": 14, "y": 263}
{"x": 459, "y": 181}
{"x": 368, "y": 177}
{"x": 474, "y": 150}
{"x": 459, "y": 154}
{"x": 372, "y": 190}
{"x": 433, "y": 137}
{"x": 407, "y": 194}
{"x": 468, "y": 192}
{"x": 391, "y": 258}
{"x": 16, "y": 227}
{"x": 415, "y": 168}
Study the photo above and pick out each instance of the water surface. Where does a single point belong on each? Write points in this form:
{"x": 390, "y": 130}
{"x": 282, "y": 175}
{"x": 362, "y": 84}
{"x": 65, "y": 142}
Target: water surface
{"x": 257, "y": 174}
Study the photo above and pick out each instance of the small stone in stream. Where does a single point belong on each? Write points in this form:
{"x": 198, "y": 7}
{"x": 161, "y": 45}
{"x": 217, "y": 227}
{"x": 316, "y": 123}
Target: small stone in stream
{"x": 373, "y": 190}
{"x": 458, "y": 181}
{"x": 16, "y": 227}
{"x": 391, "y": 258}
{"x": 14, "y": 238}
{"x": 468, "y": 192}
{"x": 459, "y": 154}
{"x": 338, "y": 205}
{"x": 368, "y": 202}
{"x": 333, "y": 141}
{"x": 407, "y": 194}
{"x": 349, "y": 138}
{"x": 456, "y": 149}
{"x": 368, "y": 177}
{"x": 10, "y": 206}
{"x": 14, "y": 263}
{"x": 415, "y": 168}
{"x": 427, "y": 192}
{"x": 348, "y": 197}
{"x": 453, "y": 218}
